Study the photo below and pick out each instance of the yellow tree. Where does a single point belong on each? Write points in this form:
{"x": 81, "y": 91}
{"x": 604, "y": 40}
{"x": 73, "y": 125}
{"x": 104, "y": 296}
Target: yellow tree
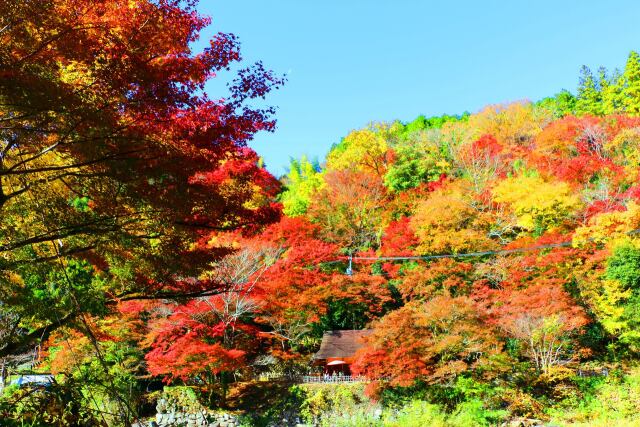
{"x": 447, "y": 221}
{"x": 537, "y": 204}
{"x": 364, "y": 149}
{"x": 511, "y": 124}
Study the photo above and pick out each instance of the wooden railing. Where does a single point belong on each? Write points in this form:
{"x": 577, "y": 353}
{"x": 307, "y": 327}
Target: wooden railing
{"x": 332, "y": 379}
{"x": 269, "y": 376}
{"x": 311, "y": 379}
{"x": 602, "y": 372}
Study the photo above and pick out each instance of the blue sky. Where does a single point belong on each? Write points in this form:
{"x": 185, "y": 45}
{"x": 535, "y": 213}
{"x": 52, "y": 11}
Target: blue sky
{"x": 351, "y": 62}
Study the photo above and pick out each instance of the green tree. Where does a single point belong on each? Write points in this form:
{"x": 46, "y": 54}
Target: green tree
{"x": 302, "y": 182}
{"x": 631, "y": 89}
{"x": 604, "y": 94}
{"x": 422, "y": 157}
{"x": 623, "y": 267}
{"x": 589, "y": 99}
{"x": 422, "y": 154}
{"x": 611, "y": 87}
{"x": 560, "y": 105}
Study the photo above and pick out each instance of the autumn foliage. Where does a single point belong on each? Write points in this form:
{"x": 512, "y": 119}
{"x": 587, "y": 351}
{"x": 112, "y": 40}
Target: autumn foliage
{"x": 141, "y": 239}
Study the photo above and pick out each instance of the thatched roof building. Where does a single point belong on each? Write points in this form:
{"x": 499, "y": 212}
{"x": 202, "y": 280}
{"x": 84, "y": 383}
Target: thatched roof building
{"x": 340, "y": 346}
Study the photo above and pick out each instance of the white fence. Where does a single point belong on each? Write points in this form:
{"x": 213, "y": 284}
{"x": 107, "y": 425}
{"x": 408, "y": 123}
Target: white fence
{"x": 332, "y": 379}
{"x": 310, "y": 379}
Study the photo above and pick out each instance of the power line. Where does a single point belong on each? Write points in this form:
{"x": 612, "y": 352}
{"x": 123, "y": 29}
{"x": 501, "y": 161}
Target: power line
{"x": 464, "y": 255}
{"x": 121, "y": 402}
{"x": 569, "y": 243}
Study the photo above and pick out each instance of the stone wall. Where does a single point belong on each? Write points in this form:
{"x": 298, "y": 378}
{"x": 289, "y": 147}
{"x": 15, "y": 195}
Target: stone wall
{"x": 179, "y": 407}
{"x": 197, "y": 419}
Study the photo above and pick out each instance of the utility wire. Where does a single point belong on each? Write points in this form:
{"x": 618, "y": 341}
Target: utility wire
{"x": 122, "y": 403}
{"x": 58, "y": 258}
{"x": 351, "y": 258}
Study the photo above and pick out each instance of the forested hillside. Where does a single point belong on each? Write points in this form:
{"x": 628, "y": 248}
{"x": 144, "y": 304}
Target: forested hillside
{"x": 496, "y": 250}
{"x": 495, "y": 255}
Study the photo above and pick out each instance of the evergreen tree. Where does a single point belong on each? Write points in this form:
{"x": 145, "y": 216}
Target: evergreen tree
{"x": 611, "y": 88}
{"x": 589, "y": 95}
{"x": 631, "y": 89}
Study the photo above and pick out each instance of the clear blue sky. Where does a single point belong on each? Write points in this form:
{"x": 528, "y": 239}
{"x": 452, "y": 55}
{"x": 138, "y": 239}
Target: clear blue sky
{"x": 350, "y": 62}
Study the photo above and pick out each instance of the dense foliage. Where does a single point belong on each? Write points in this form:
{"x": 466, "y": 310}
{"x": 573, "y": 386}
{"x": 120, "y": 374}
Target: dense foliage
{"x": 494, "y": 255}
{"x": 114, "y": 167}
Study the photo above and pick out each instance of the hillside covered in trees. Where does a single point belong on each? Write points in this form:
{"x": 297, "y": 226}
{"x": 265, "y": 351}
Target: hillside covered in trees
{"x": 144, "y": 248}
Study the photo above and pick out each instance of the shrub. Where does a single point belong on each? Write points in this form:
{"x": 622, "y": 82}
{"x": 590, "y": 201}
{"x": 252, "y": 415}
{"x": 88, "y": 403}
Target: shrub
{"x": 320, "y": 399}
{"x": 418, "y": 414}
{"x": 474, "y": 414}
{"x": 614, "y": 401}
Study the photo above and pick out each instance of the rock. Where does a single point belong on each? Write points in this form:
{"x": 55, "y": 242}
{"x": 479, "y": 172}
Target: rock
{"x": 523, "y": 422}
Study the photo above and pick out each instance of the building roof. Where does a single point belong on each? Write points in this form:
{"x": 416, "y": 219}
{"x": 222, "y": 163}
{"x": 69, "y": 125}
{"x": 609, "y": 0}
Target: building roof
{"x": 341, "y": 343}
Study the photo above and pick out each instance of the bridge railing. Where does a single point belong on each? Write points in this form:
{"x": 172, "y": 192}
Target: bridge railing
{"x": 332, "y": 379}
{"x": 315, "y": 379}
